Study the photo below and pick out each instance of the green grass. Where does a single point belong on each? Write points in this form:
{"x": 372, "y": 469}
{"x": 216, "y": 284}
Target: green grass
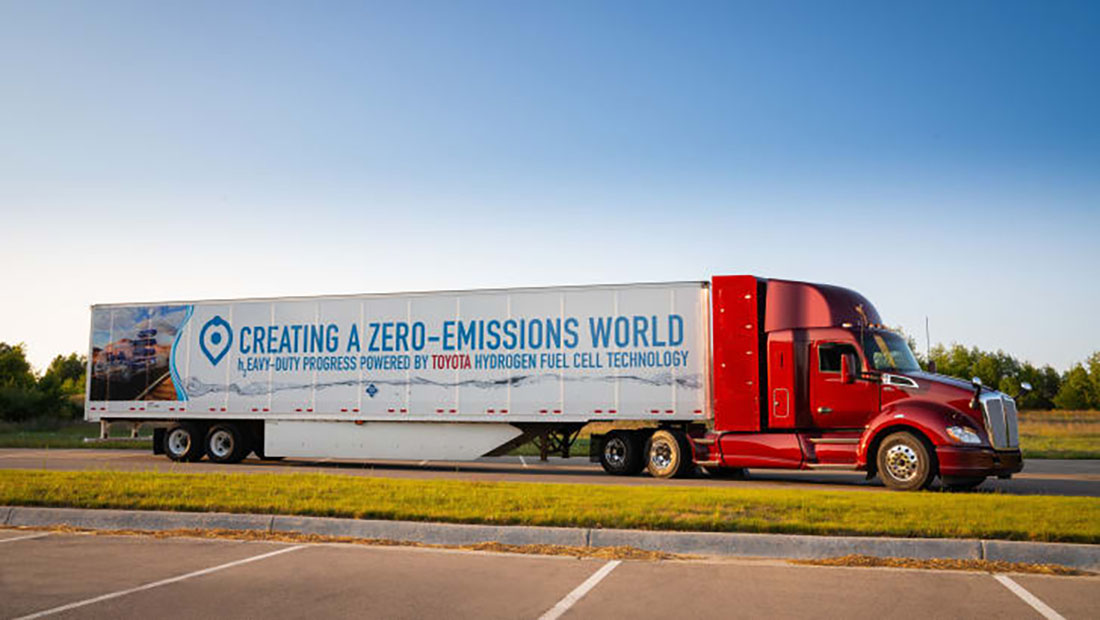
{"x": 579, "y": 448}
{"x": 1060, "y": 434}
{"x": 927, "y": 514}
{"x": 69, "y": 435}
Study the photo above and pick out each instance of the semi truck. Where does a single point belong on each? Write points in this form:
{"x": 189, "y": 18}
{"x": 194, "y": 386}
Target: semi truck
{"x": 719, "y": 376}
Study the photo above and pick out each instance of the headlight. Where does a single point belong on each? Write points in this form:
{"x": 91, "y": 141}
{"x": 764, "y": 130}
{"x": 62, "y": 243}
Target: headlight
{"x": 963, "y": 434}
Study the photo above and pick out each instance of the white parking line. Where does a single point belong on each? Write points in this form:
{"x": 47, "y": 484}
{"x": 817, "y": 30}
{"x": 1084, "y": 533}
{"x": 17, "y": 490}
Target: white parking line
{"x": 524, "y": 461}
{"x": 1029, "y": 598}
{"x": 577, "y": 594}
{"x": 28, "y": 537}
{"x": 156, "y": 584}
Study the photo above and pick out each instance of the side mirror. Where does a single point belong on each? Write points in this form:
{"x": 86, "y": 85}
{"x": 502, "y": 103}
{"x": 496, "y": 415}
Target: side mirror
{"x": 977, "y": 383}
{"x": 848, "y": 366}
{"x": 1025, "y": 387}
{"x": 932, "y": 366}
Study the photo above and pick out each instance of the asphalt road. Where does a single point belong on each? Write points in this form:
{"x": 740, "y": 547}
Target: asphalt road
{"x": 1040, "y": 477}
{"x": 85, "y": 576}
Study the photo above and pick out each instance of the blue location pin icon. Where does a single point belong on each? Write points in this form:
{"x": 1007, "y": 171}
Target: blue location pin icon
{"x": 215, "y": 338}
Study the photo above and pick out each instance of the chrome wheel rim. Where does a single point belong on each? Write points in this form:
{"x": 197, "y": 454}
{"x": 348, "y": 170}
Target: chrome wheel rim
{"x": 902, "y": 462}
{"x": 221, "y": 443}
{"x": 615, "y": 452}
{"x": 179, "y": 442}
{"x": 660, "y": 454}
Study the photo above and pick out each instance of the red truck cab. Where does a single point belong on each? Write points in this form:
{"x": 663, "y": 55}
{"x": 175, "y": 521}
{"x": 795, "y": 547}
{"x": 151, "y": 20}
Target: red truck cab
{"x": 806, "y": 376}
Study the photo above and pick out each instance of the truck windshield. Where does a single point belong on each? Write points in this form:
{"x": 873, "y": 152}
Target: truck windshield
{"x": 888, "y": 351}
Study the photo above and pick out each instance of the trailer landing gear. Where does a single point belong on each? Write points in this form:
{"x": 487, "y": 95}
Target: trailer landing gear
{"x": 557, "y": 440}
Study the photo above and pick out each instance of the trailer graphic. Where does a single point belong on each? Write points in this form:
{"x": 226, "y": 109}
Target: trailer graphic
{"x": 732, "y": 373}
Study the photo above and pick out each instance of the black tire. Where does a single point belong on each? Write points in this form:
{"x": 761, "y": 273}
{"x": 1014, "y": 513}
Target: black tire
{"x": 961, "y": 483}
{"x": 225, "y": 443}
{"x": 727, "y": 473}
{"x": 905, "y": 463}
{"x": 183, "y": 443}
{"x": 621, "y": 453}
{"x": 668, "y": 454}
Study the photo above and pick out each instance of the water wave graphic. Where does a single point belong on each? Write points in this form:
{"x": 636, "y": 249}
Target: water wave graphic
{"x": 197, "y": 387}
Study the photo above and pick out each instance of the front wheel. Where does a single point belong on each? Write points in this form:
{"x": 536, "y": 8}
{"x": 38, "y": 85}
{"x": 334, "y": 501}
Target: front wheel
{"x": 905, "y": 463}
{"x": 668, "y": 454}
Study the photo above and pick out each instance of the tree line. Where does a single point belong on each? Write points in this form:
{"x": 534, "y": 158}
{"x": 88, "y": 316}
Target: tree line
{"x": 56, "y": 394}
{"x": 1075, "y": 389}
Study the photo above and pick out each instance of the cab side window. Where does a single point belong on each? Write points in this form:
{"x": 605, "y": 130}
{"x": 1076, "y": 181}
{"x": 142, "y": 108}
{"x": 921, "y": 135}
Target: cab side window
{"x": 829, "y": 354}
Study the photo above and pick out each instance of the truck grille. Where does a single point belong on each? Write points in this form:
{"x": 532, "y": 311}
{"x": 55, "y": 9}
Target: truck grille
{"x": 1000, "y": 421}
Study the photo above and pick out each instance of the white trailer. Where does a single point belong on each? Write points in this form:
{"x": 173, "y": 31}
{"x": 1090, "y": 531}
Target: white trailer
{"x": 452, "y": 375}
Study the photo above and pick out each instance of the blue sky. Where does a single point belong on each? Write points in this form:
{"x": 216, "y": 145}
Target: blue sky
{"x": 941, "y": 158}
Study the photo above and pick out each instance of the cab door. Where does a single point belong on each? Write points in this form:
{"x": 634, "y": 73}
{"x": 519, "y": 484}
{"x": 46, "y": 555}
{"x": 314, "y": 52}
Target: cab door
{"x": 833, "y": 403}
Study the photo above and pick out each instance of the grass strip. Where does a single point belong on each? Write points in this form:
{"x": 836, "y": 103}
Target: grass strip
{"x": 68, "y": 436}
{"x": 927, "y": 514}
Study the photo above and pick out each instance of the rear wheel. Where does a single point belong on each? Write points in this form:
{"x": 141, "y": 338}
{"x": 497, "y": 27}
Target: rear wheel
{"x": 905, "y": 463}
{"x": 668, "y": 454}
{"x": 183, "y": 443}
{"x": 225, "y": 443}
{"x": 621, "y": 453}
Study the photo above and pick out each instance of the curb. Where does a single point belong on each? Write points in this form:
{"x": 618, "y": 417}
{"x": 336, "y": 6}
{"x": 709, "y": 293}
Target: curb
{"x": 795, "y": 546}
{"x": 787, "y": 546}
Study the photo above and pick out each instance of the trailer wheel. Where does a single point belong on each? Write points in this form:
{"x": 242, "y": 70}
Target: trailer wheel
{"x": 225, "y": 443}
{"x": 905, "y": 463}
{"x": 621, "y": 454}
{"x": 183, "y": 443}
{"x": 668, "y": 454}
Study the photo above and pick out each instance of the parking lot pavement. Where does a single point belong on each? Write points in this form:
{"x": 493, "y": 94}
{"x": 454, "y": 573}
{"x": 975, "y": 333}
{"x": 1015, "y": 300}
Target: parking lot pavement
{"x": 14, "y": 535}
{"x": 84, "y": 576}
{"x": 752, "y": 591}
{"x": 53, "y": 570}
{"x": 1073, "y": 598}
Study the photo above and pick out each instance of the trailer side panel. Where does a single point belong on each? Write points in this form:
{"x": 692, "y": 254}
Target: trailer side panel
{"x": 568, "y": 354}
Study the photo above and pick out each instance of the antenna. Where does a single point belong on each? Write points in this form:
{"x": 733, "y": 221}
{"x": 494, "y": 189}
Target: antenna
{"x": 927, "y": 340}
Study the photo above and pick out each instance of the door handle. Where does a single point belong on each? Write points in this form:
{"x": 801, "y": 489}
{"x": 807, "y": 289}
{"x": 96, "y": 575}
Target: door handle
{"x": 824, "y": 410}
